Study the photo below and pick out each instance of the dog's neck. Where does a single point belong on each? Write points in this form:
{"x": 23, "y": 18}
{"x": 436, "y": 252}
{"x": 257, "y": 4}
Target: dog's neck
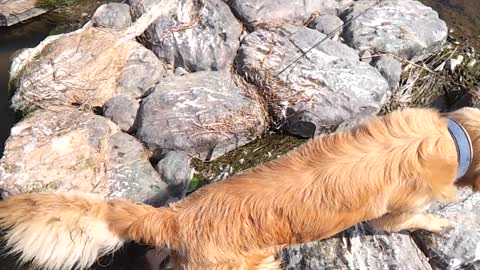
{"x": 463, "y": 145}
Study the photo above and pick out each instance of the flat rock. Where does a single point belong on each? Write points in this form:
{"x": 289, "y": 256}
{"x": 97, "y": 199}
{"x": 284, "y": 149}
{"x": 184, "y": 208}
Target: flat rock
{"x": 404, "y": 28}
{"x": 198, "y": 35}
{"x": 112, "y": 15}
{"x": 358, "y": 248}
{"x": 261, "y": 12}
{"x": 459, "y": 246}
{"x": 317, "y": 93}
{"x": 81, "y": 69}
{"x": 17, "y": 11}
{"x": 204, "y": 114}
{"x": 73, "y": 150}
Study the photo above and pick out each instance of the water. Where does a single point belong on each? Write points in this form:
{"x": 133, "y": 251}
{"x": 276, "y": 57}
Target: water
{"x": 11, "y": 39}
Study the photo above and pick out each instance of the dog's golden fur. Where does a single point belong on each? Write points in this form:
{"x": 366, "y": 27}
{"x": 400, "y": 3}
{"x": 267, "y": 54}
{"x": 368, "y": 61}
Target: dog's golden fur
{"x": 387, "y": 171}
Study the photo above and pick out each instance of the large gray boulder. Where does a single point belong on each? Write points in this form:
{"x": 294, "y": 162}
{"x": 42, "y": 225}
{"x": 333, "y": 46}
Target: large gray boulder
{"x": 197, "y": 35}
{"x": 204, "y": 114}
{"x": 261, "y": 12}
{"x": 317, "y": 93}
{"x": 404, "y": 28}
{"x": 73, "y": 150}
{"x": 459, "y": 246}
{"x": 358, "y": 248}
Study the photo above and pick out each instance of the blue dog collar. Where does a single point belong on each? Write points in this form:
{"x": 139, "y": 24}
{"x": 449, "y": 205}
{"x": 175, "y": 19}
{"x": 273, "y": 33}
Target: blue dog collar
{"x": 463, "y": 145}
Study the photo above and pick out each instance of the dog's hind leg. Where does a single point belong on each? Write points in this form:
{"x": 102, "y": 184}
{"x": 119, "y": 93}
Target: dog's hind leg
{"x": 395, "y": 222}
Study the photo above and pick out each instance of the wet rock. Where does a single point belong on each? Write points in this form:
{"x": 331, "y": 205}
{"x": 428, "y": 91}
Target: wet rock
{"x": 175, "y": 170}
{"x": 391, "y": 70}
{"x": 205, "y": 114}
{"x": 256, "y": 12}
{"x": 81, "y": 69}
{"x": 406, "y": 29}
{"x": 112, "y": 15}
{"x": 318, "y": 92}
{"x": 459, "y": 246}
{"x": 327, "y": 24}
{"x": 17, "y": 11}
{"x": 358, "y": 248}
{"x": 122, "y": 110}
{"x": 74, "y": 150}
{"x": 198, "y": 35}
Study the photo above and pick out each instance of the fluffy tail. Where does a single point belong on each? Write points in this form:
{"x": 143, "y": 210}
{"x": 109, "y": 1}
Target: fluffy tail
{"x": 71, "y": 231}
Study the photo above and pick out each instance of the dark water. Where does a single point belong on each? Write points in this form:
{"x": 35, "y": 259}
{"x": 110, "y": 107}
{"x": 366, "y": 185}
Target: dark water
{"x": 25, "y": 35}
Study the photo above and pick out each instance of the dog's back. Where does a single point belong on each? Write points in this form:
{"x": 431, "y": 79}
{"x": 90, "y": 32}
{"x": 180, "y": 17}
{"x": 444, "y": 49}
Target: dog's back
{"x": 325, "y": 186}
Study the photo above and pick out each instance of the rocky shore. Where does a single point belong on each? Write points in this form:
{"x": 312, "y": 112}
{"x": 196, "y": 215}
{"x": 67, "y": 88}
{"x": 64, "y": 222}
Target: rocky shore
{"x": 143, "y": 96}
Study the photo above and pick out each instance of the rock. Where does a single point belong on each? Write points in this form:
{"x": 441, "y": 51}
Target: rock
{"x": 391, "y": 70}
{"x": 179, "y": 71}
{"x": 406, "y": 28}
{"x": 17, "y": 11}
{"x": 112, "y": 15}
{"x": 366, "y": 56}
{"x": 459, "y": 246}
{"x": 350, "y": 124}
{"x": 74, "y": 150}
{"x": 142, "y": 71}
{"x": 318, "y": 92}
{"x": 452, "y": 63}
{"x": 174, "y": 168}
{"x": 358, "y": 248}
{"x": 130, "y": 174}
{"x": 257, "y": 12}
{"x": 327, "y": 24}
{"x": 122, "y": 110}
{"x": 198, "y": 35}
{"x": 82, "y": 69}
{"x": 205, "y": 114}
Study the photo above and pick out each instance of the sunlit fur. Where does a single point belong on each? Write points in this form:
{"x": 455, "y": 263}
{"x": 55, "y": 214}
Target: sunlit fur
{"x": 387, "y": 170}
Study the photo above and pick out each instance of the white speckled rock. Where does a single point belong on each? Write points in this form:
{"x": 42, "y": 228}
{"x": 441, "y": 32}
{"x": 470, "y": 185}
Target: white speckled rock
{"x": 317, "y": 93}
{"x": 358, "y": 248}
{"x": 256, "y": 12}
{"x": 405, "y": 28}
{"x": 74, "y": 150}
{"x": 204, "y": 114}
{"x": 198, "y": 35}
{"x": 459, "y": 246}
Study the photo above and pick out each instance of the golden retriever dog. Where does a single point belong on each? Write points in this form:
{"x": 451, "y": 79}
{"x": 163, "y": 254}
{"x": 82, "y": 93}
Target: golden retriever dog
{"x": 387, "y": 171}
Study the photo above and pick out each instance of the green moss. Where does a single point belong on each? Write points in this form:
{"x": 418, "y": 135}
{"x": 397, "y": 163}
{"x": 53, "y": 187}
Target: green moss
{"x": 53, "y": 4}
{"x": 262, "y": 150}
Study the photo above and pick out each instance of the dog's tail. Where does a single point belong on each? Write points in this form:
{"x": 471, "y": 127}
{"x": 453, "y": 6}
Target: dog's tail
{"x": 71, "y": 231}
